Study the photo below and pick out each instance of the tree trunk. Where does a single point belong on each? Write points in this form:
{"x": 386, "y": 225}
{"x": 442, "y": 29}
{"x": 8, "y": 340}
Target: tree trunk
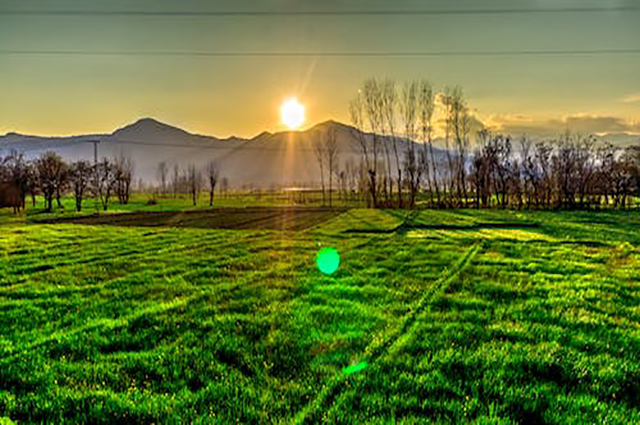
{"x": 330, "y": 185}
{"x": 78, "y": 202}
{"x": 373, "y": 188}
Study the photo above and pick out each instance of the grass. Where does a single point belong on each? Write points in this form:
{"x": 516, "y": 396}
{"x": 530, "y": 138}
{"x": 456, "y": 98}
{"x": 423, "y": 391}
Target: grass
{"x": 433, "y": 316}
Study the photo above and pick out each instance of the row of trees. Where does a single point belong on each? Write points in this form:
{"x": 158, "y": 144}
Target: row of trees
{"x": 394, "y": 130}
{"x": 52, "y": 177}
{"x": 191, "y": 180}
{"x": 389, "y": 120}
{"x": 571, "y": 172}
{"x": 326, "y": 152}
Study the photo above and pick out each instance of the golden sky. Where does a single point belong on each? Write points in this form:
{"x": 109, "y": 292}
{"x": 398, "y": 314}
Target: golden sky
{"x": 62, "y": 94}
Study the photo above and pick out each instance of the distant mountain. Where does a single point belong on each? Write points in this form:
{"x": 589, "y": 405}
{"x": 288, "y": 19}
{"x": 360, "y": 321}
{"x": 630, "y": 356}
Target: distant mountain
{"x": 266, "y": 160}
{"x": 149, "y": 128}
{"x": 622, "y": 140}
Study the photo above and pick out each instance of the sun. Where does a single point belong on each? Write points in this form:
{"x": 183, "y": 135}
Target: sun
{"x": 292, "y": 113}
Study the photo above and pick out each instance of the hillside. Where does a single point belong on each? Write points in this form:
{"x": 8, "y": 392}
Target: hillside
{"x": 268, "y": 159}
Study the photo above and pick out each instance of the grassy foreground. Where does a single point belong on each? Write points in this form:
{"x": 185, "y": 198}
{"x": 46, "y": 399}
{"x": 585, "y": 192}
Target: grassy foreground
{"x": 441, "y": 316}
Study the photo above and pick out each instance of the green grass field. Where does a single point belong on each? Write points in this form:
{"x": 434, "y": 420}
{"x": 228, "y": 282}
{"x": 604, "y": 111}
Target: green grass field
{"x": 433, "y": 316}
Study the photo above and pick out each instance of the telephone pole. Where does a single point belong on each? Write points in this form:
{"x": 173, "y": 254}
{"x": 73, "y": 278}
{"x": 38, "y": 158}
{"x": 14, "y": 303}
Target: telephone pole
{"x": 95, "y": 151}
{"x": 95, "y": 169}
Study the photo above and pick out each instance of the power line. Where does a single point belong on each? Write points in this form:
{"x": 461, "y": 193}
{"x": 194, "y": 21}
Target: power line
{"x": 227, "y": 151}
{"x": 40, "y": 146}
{"x": 328, "y": 54}
{"x": 327, "y": 13}
{"x": 241, "y": 146}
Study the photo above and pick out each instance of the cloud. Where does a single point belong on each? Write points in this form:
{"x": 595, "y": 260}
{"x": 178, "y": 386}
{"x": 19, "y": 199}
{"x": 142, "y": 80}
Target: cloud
{"x": 578, "y": 123}
{"x": 631, "y": 98}
{"x": 595, "y": 124}
{"x": 475, "y": 124}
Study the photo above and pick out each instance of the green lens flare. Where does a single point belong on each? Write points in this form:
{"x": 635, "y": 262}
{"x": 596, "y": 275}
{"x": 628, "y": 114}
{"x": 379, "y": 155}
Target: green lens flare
{"x": 355, "y": 368}
{"x": 328, "y": 260}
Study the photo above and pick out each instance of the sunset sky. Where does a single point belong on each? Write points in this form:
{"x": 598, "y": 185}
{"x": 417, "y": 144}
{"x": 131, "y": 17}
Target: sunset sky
{"x": 61, "y": 94}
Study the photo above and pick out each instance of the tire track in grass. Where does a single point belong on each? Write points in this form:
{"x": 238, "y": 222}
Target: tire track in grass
{"x": 140, "y": 254}
{"x": 178, "y": 264}
{"x": 380, "y": 345}
{"x": 113, "y": 323}
{"x": 82, "y": 240}
{"x": 155, "y": 308}
{"x": 176, "y": 267}
{"x": 79, "y": 256}
{"x": 101, "y": 323}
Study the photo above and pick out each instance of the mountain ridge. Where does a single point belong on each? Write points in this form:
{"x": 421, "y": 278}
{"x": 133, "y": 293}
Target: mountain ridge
{"x": 267, "y": 159}
{"x": 264, "y": 160}
{"x": 147, "y": 123}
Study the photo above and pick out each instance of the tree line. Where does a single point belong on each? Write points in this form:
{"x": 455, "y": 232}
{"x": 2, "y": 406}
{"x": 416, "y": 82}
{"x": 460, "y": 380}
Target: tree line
{"x": 174, "y": 180}
{"x": 52, "y": 177}
{"x": 393, "y": 126}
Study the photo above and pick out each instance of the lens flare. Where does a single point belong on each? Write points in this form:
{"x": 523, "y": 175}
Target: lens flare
{"x": 328, "y": 260}
{"x": 355, "y": 368}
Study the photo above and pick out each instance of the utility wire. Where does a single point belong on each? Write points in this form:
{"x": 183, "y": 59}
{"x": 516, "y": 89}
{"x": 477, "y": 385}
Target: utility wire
{"x": 39, "y": 145}
{"x": 335, "y": 54}
{"x": 327, "y": 13}
{"x": 243, "y": 145}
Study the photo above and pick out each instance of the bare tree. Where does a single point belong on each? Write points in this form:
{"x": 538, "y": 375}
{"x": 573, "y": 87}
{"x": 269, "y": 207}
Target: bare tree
{"x": 175, "y": 182}
{"x": 342, "y": 177}
{"x": 625, "y": 173}
{"x": 632, "y": 157}
{"x": 389, "y": 101}
{"x": 123, "y": 170}
{"x": 11, "y": 194}
{"x": 366, "y": 116}
{"x": 458, "y": 120}
{"x": 19, "y": 173}
{"x": 331, "y": 155}
{"x": 80, "y": 174}
{"x": 163, "y": 171}
{"x": 213, "y": 173}
{"x": 319, "y": 152}
{"x": 542, "y": 156}
{"x": 530, "y": 172}
{"x": 224, "y": 186}
{"x": 325, "y": 149}
{"x": 447, "y": 102}
{"x": 481, "y": 170}
{"x": 352, "y": 173}
{"x": 586, "y": 168}
{"x": 573, "y": 172}
{"x": 426, "y": 106}
{"x": 515, "y": 183}
{"x": 194, "y": 182}
{"x": 409, "y": 109}
{"x": 51, "y": 171}
{"x": 31, "y": 187}
{"x": 106, "y": 181}
{"x": 499, "y": 157}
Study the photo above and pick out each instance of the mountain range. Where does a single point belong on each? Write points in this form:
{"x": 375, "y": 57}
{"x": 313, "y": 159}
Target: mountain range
{"x": 267, "y": 160}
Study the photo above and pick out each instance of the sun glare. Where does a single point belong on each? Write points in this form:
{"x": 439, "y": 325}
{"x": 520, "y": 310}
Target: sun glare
{"x": 292, "y": 113}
